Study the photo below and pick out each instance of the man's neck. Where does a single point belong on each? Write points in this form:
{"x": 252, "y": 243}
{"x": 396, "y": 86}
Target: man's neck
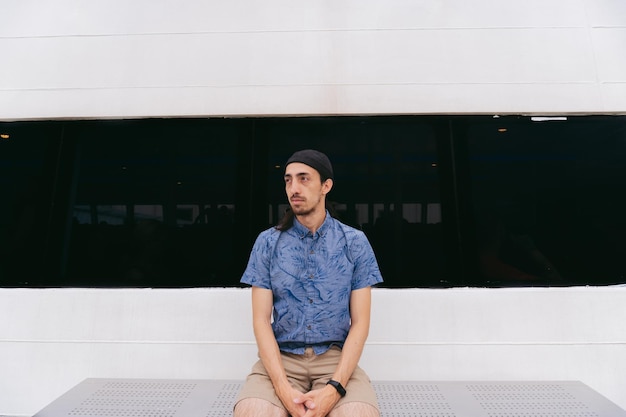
{"x": 313, "y": 221}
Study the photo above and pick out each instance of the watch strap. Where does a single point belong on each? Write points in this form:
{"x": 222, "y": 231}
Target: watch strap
{"x": 340, "y": 389}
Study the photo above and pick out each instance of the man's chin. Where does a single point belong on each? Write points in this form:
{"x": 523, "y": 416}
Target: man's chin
{"x": 301, "y": 211}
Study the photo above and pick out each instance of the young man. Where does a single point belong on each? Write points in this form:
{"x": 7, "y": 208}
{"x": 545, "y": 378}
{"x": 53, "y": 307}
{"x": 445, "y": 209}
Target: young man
{"x": 312, "y": 275}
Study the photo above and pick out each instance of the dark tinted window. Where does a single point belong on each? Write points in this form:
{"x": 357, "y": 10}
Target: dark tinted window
{"x": 445, "y": 201}
{"x": 154, "y": 204}
{"x": 27, "y": 182}
{"x": 549, "y": 200}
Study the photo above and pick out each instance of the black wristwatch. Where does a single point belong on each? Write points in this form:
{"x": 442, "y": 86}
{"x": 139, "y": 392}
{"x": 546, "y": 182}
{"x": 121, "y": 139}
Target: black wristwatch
{"x": 340, "y": 389}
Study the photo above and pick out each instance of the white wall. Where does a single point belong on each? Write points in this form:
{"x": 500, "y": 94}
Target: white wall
{"x": 50, "y": 340}
{"x": 119, "y": 58}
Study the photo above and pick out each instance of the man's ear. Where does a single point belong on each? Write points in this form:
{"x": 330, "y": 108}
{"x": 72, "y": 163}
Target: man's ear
{"x": 327, "y": 186}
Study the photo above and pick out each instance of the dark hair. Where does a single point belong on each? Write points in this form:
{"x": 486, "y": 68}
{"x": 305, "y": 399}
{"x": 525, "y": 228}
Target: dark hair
{"x": 286, "y": 222}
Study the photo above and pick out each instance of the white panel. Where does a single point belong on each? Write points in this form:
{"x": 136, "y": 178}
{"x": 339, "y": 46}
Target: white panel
{"x": 609, "y": 45}
{"x": 547, "y": 316}
{"x": 333, "y": 73}
{"x": 552, "y": 315}
{"x": 302, "y": 100}
{"x": 136, "y": 59}
{"x": 497, "y": 361}
{"x": 457, "y": 56}
{"x": 127, "y": 315}
{"x": 52, "y": 339}
{"x": 614, "y": 96}
{"x": 474, "y": 98}
{"x": 224, "y": 60}
{"x": 229, "y": 60}
{"x": 606, "y": 13}
{"x": 27, "y": 18}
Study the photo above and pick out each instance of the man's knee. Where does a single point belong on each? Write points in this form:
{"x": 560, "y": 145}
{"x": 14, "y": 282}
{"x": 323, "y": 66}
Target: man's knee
{"x": 252, "y": 407}
{"x": 354, "y": 409}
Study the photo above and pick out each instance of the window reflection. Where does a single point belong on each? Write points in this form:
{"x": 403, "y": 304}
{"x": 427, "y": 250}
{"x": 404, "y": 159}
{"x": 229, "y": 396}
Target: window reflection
{"x": 154, "y": 204}
{"x": 27, "y": 195}
{"x": 548, "y": 201}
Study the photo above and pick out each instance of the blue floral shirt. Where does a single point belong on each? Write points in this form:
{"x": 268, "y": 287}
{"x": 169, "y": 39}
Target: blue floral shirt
{"x": 311, "y": 277}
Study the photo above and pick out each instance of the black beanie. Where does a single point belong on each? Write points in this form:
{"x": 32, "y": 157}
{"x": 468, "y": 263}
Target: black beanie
{"x": 314, "y": 159}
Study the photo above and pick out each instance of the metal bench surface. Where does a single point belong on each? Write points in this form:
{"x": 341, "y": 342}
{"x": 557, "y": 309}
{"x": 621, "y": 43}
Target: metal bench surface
{"x": 215, "y": 398}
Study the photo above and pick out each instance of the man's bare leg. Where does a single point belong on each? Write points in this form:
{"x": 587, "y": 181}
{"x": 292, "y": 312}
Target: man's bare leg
{"x": 354, "y": 409}
{"x": 254, "y": 407}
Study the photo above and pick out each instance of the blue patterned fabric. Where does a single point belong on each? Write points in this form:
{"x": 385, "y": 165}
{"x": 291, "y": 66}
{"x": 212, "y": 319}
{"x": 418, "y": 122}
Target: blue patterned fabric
{"x": 311, "y": 277}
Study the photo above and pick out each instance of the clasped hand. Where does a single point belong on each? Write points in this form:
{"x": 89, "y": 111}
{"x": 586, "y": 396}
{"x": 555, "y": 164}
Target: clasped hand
{"x": 315, "y": 403}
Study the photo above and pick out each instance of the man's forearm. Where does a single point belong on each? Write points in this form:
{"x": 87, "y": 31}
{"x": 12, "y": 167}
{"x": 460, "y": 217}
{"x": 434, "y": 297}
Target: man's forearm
{"x": 270, "y": 356}
{"x": 351, "y": 353}
{"x": 360, "y": 306}
{"x": 266, "y": 341}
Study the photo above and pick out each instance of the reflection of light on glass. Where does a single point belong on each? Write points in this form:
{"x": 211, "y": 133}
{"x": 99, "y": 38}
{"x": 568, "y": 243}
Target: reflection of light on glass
{"x": 412, "y": 212}
{"x": 148, "y": 211}
{"x": 282, "y": 209}
{"x": 548, "y": 118}
{"x": 114, "y": 215}
{"x": 362, "y": 213}
{"x": 434, "y": 165}
{"x": 5, "y": 136}
{"x": 186, "y": 214}
{"x": 433, "y": 213}
{"x": 502, "y": 129}
{"x": 82, "y": 214}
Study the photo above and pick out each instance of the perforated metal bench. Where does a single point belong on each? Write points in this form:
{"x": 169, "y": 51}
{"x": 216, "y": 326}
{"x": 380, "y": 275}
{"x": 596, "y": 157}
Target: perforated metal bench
{"x": 215, "y": 398}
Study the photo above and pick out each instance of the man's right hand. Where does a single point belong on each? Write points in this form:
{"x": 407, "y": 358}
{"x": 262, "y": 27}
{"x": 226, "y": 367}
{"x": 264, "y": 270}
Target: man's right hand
{"x": 291, "y": 399}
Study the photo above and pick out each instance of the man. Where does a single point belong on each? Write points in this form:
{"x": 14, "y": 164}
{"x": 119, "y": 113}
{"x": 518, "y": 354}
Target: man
{"x": 313, "y": 276}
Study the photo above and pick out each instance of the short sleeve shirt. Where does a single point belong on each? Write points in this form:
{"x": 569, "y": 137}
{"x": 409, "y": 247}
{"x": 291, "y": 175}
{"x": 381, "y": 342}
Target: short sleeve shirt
{"x": 311, "y": 277}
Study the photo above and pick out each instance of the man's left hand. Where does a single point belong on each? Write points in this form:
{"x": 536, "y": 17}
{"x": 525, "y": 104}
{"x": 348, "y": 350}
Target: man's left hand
{"x": 319, "y": 402}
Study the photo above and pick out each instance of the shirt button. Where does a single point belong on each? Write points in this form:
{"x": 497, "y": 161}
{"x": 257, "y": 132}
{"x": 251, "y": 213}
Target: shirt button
{"x": 311, "y": 276}
{"x": 310, "y": 301}
{"x": 308, "y": 327}
{"x": 312, "y": 252}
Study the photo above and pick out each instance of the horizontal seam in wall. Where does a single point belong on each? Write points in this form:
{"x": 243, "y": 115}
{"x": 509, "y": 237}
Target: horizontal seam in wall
{"x": 616, "y": 343}
{"x": 129, "y": 342}
{"x": 331, "y": 85}
{"x": 291, "y": 31}
{"x": 252, "y": 343}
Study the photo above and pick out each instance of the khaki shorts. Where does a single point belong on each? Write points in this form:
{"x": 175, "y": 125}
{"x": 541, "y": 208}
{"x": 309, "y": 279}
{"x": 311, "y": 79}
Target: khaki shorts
{"x": 305, "y": 373}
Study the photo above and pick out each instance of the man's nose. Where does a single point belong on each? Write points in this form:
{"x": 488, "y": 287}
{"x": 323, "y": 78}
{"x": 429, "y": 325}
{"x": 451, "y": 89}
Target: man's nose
{"x": 294, "y": 187}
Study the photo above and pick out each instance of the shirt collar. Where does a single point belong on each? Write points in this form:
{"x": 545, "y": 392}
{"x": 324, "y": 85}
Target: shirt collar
{"x": 303, "y": 232}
